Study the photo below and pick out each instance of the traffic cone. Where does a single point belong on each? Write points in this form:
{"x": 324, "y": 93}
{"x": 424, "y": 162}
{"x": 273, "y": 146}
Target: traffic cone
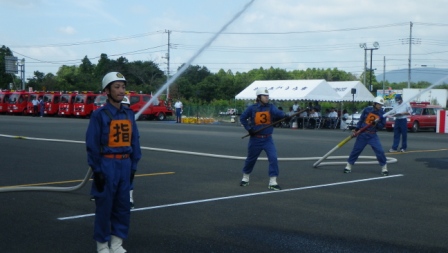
{"x": 294, "y": 125}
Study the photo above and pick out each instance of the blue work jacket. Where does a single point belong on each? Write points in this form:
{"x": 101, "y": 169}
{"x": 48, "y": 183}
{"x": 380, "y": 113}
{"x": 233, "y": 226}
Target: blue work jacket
{"x": 97, "y": 136}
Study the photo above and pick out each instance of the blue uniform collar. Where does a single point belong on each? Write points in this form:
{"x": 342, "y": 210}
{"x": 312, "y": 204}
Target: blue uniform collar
{"x": 113, "y": 109}
{"x": 260, "y": 104}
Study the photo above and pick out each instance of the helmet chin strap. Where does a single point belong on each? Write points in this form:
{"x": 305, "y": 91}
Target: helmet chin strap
{"x": 260, "y": 100}
{"x": 111, "y": 98}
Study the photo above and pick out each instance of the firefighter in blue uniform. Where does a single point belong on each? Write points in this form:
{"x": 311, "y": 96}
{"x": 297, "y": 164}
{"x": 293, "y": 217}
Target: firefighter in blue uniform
{"x": 113, "y": 151}
{"x": 42, "y": 106}
{"x": 401, "y": 124}
{"x": 372, "y": 115}
{"x": 255, "y": 117}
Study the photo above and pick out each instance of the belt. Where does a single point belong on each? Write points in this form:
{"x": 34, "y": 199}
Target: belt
{"x": 262, "y": 135}
{"x": 117, "y": 156}
{"x": 370, "y": 132}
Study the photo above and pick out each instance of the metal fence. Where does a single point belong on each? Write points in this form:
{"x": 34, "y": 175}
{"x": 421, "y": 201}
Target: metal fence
{"x": 207, "y": 111}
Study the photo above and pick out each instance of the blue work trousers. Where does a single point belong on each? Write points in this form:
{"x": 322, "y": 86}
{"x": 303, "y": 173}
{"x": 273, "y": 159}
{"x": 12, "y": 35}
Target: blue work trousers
{"x": 112, "y": 214}
{"x": 179, "y": 115}
{"x": 361, "y": 142}
{"x": 254, "y": 147}
{"x": 400, "y": 130}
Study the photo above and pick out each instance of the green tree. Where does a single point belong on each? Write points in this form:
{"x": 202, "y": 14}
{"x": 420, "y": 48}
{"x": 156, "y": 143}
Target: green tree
{"x": 187, "y": 83}
{"x": 68, "y": 79}
{"x": 86, "y": 67}
{"x": 104, "y": 65}
{"x": 49, "y": 83}
{"x": 145, "y": 76}
{"x": 36, "y": 81}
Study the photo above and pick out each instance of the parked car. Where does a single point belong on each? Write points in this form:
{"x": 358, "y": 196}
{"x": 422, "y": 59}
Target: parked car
{"x": 424, "y": 116}
{"x": 386, "y": 109}
{"x": 352, "y": 120}
{"x": 230, "y": 111}
{"x": 357, "y": 115}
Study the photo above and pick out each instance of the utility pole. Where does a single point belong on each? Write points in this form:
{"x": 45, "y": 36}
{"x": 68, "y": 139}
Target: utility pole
{"x": 365, "y": 68}
{"x": 411, "y": 41}
{"x": 168, "y": 64}
{"x": 410, "y": 53}
{"x": 384, "y": 74}
{"x": 21, "y": 64}
{"x": 376, "y": 45}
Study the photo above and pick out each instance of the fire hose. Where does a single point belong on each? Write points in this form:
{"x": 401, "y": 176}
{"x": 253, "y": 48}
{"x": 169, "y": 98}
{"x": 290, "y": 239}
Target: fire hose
{"x": 343, "y": 142}
{"x": 49, "y": 188}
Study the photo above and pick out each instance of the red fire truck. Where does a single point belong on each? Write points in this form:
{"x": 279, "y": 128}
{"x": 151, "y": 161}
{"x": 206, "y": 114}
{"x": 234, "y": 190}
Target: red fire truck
{"x": 100, "y": 100}
{"x": 37, "y": 95}
{"x": 51, "y": 101}
{"x": 18, "y": 101}
{"x": 4, "y": 98}
{"x": 84, "y": 103}
{"x": 157, "y": 109}
{"x": 67, "y": 103}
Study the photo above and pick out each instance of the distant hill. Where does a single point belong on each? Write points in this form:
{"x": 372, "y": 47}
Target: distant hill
{"x": 430, "y": 75}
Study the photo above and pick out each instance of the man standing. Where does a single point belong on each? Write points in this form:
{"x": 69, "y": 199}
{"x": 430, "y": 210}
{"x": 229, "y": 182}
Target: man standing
{"x": 401, "y": 124}
{"x": 254, "y": 119}
{"x": 42, "y": 106}
{"x": 113, "y": 151}
{"x": 179, "y": 107}
{"x": 295, "y": 107}
{"x": 35, "y": 107}
{"x": 333, "y": 118}
{"x": 372, "y": 115}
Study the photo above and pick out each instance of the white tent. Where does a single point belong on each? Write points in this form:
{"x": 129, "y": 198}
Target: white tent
{"x": 313, "y": 90}
{"x": 344, "y": 89}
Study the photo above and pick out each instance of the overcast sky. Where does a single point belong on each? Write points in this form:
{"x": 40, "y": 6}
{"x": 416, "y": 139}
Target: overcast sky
{"x": 285, "y": 34}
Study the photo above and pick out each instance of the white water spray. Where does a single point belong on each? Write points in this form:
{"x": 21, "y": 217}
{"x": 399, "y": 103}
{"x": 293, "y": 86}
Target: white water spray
{"x": 186, "y": 65}
{"x": 168, "y": 83}
{"x": 439, "y": 82}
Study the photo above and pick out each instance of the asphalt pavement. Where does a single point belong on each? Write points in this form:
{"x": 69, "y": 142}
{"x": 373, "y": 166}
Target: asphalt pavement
{"x": 188, "y": 197}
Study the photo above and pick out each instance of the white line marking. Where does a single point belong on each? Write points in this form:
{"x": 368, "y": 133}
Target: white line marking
{"x": 239, "y": 196}
{"x": 389, "y": 160}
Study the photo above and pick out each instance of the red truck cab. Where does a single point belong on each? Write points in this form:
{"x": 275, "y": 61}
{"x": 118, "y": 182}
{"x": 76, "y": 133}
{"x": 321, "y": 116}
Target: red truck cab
{"x": 18, "y": 101}
{"x": 51, "y": 102}
{"x": 67, "y": 103}
{"x": 157, "y": 109}
{"x": 100, "y": 100}
{"x": 4, "y": 98}
{"x": 84, "y": 104}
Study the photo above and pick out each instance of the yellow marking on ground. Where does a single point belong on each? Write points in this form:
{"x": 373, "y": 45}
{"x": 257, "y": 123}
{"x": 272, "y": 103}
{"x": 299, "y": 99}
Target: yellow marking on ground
{"x": 76, "y": 181}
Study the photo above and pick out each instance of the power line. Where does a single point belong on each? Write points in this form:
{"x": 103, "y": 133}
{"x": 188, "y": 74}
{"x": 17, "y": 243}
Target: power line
{"x": 300, "y": 32}
{"x": 252, "y": 49}
{"x": 88, "y": 41}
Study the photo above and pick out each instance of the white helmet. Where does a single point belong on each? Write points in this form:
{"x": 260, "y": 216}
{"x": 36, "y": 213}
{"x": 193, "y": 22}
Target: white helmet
{"x": 379, "y": 100}
{"x": 112, "y": 77}
{"x": 262, "y": 91}
{"x": 125, "y": 100}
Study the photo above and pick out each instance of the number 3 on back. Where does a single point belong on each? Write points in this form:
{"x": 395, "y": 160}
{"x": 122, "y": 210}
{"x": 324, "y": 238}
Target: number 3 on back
{"x": 371, "y": 117}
